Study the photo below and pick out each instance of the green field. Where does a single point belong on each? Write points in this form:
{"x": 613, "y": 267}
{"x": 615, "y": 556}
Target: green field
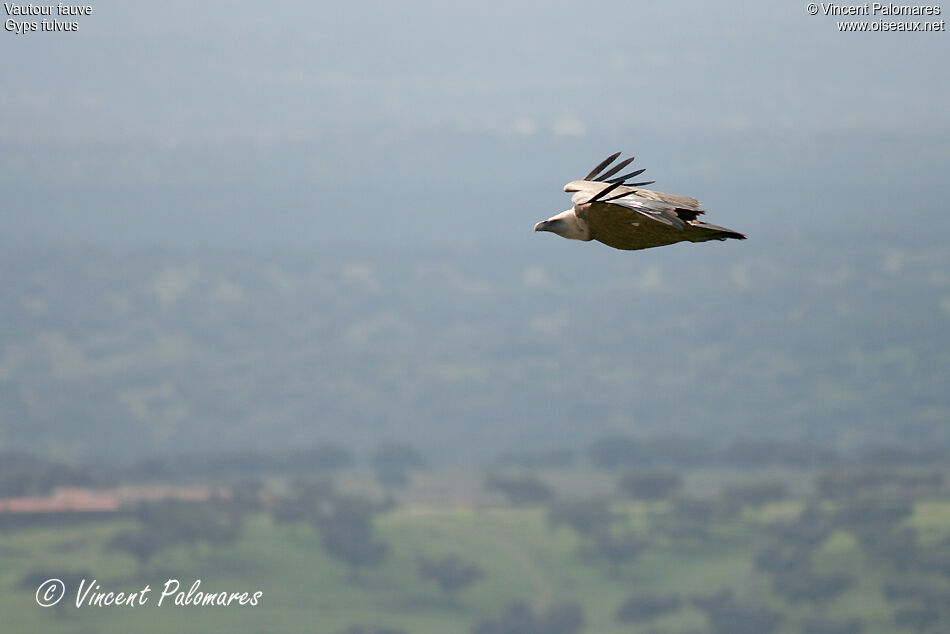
{"x": 522, "y": 556}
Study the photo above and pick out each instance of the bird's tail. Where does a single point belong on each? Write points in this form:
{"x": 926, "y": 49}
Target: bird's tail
{"x": 714, "y": 232}
{"x": 728, "y": 233}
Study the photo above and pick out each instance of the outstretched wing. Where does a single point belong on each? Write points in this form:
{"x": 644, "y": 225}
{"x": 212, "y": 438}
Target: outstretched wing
{"x": 598, "y": 179}
{"x": 637, "y": 226}
{"x": 655, "y": 210}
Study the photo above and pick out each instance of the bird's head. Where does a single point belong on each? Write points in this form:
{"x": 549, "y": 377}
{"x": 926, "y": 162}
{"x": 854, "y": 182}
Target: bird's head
{"x": 566, "y": 224}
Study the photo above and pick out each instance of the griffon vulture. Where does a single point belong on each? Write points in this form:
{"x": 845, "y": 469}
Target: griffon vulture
{"x": 623, "y": 216}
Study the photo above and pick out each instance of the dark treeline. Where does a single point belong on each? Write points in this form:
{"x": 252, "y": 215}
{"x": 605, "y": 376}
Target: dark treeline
{"x": 321, "y": 458}
{"x": 24, "y": 474}
{"x": 658, "y": 460}
{"x": 622, "y": 451}
{"x": 169, "y": 523}
{"x": 519, "y": 618}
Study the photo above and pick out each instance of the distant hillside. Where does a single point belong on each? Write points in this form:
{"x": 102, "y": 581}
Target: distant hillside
{"x": 468, "y": 354}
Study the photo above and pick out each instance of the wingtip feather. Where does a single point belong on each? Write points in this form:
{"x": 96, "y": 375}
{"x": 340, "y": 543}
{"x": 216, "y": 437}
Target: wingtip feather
{"x": 607, "y": 161}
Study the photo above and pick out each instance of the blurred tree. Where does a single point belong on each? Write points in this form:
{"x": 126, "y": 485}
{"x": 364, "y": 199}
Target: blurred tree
{"x": 850, "y": 483}
{"x": 519, "y": 490}
{"x": 649, "y": 485}
{"x": 562, "y": 618}
{"x": 345, "y": 525}
{"x": 905, "y": 455}
{"x": 393, "y": 464}
{"x": 586, "y": 516}
{"x": 873, "y": 511}
{"x": 246, "y": 495}
{"x": 808, "y": 531}
{"x": 918, "y": 590}
{"x": 744, "y": 619}
{"x": 760, "y": 453}
{"x": 303, "y": 502}
{"x": 938, "y": 557}
{"x": 316, "y": 459}
{"x": 324, "y": 457}
{"x": 171, "y": 521}
{"x": 24, "y": 474}
{"x": 902, "y": 589}
{"x": 562, "y": 458}
{"x": 140, "y": 544}
{"x": 168, "y": 523}
{"x": 518, "y": 618}
{"x": 708, "y": 602}
{"x": 778, "y": 558}
{"x": 727, "y": 616}
{"x": 737, "y": 496}
{"x": 689, "y": 518}
{"x": 821, "y": 625}
{"x": 450, "y": 572}
{"x": 803, "y": 584}
{"x": 614, "y": 452}
{"x": 684, "y": 452}
{"x": 897, "y": 547}
{"x": 876, "y": 522}
{"x": 619, "y": 549}
{"x": 793, "y": 543}
{"x": 646, "y": 607}
{"x": 919, "y": 619}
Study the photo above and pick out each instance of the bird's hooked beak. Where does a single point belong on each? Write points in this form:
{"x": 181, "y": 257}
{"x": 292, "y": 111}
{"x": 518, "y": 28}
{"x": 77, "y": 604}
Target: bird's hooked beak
{"x": 542, "y": 226}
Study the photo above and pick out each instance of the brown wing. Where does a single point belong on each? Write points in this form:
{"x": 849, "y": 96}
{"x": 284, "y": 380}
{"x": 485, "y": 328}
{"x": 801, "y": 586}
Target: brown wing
{"x": 687, "y": 208}
{"x": 622, "y": 228}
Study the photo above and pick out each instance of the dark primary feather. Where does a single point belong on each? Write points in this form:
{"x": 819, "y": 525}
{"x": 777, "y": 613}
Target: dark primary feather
{"x": 628, "y": 175}
{"x": 607, "y": 161}
{"x": 623, "y": 194}
{"x": 595, "y": 174}
{"x": 603, "y": 192}
{"x": 616, "y": 168}
{"x": 683, "y": 203}
{"x": 621, "y": 179}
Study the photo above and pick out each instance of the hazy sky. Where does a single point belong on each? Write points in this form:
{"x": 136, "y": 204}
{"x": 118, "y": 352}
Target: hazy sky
{"x": 238, "y": 120}
{"x": 419, "y": 126}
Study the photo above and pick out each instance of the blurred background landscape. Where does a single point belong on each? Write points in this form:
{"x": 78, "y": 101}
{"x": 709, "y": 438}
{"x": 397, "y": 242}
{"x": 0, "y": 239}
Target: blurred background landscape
{"x": 272, "y": 316}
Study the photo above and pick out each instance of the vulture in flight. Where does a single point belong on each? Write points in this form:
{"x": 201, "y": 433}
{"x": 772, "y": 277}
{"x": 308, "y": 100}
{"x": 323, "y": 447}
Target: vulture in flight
{"x": 623, "y": 216}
